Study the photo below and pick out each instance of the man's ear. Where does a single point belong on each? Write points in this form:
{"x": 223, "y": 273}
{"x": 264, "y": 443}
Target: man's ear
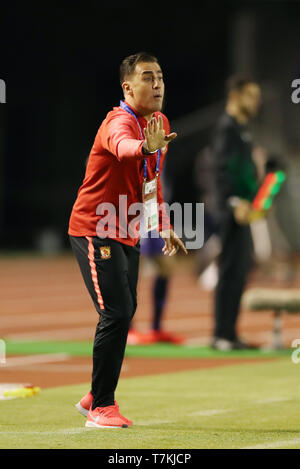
{"x": 127, "y": 90}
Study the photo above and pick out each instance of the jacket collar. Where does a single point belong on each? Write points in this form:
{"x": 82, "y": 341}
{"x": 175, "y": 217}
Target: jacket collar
{"x": 136, "y": 113}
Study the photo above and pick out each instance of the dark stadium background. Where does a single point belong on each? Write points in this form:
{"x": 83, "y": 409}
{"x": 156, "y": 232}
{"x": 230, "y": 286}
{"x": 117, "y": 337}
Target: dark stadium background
{"x": 60, "y": 63}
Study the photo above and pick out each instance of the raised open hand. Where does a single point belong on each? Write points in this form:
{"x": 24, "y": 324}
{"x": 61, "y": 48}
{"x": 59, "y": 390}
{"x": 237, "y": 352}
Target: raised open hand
{"x": 155, "y": 135}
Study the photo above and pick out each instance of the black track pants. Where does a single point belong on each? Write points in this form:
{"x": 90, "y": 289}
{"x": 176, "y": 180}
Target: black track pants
{"x": 110, "y": 272}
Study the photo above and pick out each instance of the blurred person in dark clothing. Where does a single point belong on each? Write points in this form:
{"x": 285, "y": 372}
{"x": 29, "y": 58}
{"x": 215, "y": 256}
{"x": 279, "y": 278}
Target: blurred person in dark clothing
{"x": 235, "y": 183}
{"x": 206, "y": 269}
{"x": 151, "y": 249}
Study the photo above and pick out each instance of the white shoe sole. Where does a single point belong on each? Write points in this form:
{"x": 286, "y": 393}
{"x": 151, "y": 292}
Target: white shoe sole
{"x": 95, "y": 425}
{"x": 81, "y": 409}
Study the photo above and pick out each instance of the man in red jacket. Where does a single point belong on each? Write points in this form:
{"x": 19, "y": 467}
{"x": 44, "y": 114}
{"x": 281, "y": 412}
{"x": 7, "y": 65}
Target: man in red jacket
{"x": 123, "y": 169}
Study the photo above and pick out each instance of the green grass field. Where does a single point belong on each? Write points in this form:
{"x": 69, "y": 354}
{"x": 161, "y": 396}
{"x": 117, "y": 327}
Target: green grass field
{"x": 160, "y": 350}
{"x": 241, "y": 406}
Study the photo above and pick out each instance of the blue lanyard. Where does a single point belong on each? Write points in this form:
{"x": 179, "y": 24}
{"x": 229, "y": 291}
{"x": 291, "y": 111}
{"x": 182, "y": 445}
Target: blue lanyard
{"x": 130, "y": 111}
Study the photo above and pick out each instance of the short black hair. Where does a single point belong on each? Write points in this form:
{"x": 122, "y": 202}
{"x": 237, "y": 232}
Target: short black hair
{"x": 127, "y": 67}
{"x": 237, "y": 83}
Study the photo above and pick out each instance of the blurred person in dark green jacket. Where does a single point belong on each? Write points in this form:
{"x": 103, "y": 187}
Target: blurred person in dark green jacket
{"x": 235, "y": 183}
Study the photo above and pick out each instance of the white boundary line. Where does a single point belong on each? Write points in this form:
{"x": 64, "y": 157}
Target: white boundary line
{"x": 272, "y": 400}
{"x": 209, "y": 412}
{"x": 200, "y": 413}
{"x": 33, "y": 359}
{"x": 275, "y": 444}
{"x": 58, "y": 432}
{"x": 74, "y": 431}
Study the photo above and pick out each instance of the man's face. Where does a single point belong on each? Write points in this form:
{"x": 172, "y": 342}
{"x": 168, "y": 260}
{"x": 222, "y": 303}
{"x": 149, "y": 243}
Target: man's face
{"x": 146, "y": 87}
{"x": 250, "y": 99}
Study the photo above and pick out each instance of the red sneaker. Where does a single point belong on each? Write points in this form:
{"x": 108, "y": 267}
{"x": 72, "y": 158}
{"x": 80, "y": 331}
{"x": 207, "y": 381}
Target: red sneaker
{"x": 152, "y": 337}
{"x": 149, "y": 337}
{"x": 84, "y": 405}
{"x": 129, "y": 422}
{"x": 164, "y": 336}
{"x": 134, "y": 337}
{"x": 105, "y": 417}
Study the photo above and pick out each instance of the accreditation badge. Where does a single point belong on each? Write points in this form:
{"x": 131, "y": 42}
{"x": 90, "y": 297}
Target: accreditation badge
{"x": 150, "y": 210}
